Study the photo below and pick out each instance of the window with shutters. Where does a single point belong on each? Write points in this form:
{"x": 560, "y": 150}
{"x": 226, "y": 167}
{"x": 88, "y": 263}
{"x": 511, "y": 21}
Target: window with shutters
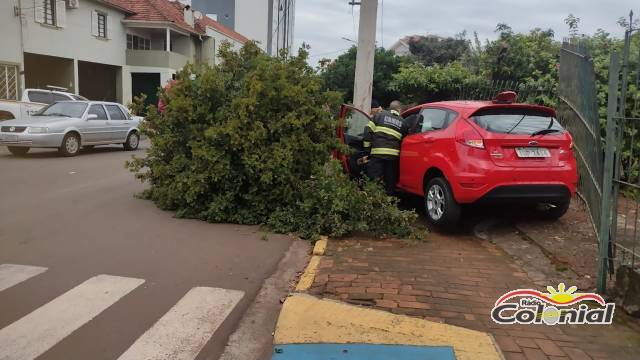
{"x": 102, "y": 25}
{"x": 49, "y": 12}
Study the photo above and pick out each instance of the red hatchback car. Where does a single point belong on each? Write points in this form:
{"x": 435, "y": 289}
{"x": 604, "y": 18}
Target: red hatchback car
{"x": 463, "y": 152}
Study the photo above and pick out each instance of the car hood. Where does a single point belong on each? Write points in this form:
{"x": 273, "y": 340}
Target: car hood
{"x": 36, "y": 121}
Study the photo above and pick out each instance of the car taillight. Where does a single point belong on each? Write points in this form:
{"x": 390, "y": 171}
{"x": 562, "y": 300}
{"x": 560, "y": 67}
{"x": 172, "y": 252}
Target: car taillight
{"x": 475, "y": 143}
{"x": 472, "y": 139}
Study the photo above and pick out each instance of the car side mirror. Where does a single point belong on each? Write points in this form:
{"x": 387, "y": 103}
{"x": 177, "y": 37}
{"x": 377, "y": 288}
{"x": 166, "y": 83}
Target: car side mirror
{"x": 92, "y": 117}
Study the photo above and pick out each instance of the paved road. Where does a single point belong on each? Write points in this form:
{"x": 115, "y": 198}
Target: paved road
{"x": 87, "y": 271}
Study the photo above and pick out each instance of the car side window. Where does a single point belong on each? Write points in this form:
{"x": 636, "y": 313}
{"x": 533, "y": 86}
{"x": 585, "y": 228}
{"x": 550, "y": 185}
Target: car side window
{"x": 60, "y": 97}
{"x": 115, "y": 113}
{"x": 98, "y": 110}
{"x": 436, "y": 119}
{"x": 41, "y": 97}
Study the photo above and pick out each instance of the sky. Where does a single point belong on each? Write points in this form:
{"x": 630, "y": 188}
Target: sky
{"x": 323, "y": 23}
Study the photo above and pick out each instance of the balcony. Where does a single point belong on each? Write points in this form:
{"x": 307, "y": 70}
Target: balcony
{"x": 156, "y": 58}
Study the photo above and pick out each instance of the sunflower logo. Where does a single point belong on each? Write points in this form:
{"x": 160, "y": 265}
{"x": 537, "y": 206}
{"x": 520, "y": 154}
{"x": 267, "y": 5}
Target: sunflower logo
{"x": 562, "y": 295}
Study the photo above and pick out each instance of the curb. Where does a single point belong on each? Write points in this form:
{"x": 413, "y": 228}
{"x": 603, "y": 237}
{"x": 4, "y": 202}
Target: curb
{"x": 309, "y": 275}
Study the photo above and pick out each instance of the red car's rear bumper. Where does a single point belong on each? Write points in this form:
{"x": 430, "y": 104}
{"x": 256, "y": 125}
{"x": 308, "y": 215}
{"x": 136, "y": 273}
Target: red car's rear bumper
{"x": 515, "y": 184}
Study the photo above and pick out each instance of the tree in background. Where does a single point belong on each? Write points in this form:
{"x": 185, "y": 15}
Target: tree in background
{"x": 339, "y": 74}
{"x": 433, "y": 49}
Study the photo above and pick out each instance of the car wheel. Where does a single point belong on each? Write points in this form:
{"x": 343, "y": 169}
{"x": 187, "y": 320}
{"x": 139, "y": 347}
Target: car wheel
{"x": 70, "y": 145}
{"x": 441, "y": 208}
{"x": 555, "y": 210}
{"x": 18, "y": 150}
{"x": 133, "y": 140}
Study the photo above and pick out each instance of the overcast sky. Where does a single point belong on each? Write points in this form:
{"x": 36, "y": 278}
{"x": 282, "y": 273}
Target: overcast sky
{"x": 322, "y": 23}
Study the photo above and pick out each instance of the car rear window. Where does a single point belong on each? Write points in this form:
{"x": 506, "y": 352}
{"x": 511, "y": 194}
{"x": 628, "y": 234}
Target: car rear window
{"x": 521, "y": 121}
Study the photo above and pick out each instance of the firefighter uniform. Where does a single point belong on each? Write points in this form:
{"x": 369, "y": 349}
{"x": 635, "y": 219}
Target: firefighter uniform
{"x": 382, "y": 138}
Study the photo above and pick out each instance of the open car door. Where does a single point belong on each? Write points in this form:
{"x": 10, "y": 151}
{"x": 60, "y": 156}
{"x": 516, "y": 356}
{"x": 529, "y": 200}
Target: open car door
{"x": 350, "y": 131}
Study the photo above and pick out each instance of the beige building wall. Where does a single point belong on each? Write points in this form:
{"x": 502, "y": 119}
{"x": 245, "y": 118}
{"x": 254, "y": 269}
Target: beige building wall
{"x": 252, "y": 20}
{"x": 75, "y": 40}
{"x": 9, "y": 24}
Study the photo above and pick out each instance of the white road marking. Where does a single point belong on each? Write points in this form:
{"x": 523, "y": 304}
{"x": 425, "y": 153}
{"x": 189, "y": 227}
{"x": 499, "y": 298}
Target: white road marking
{"x": 11, "y": 274}
{"x": 182, "y": 332}
{"x": 35, "y": 333}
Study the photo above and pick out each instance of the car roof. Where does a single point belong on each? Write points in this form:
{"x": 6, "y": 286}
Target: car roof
{"x": 91, "y": 102}
{"x": 468, "y": 107}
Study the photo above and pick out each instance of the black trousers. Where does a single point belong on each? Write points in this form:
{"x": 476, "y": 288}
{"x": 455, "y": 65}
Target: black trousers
{"x": 385, "y": 169}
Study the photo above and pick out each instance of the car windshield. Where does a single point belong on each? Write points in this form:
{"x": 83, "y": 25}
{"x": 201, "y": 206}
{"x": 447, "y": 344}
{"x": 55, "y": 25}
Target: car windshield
{"x": 66, "y": 109}
{"x": 520, "y": 121}
{"x": 79, "y": 97}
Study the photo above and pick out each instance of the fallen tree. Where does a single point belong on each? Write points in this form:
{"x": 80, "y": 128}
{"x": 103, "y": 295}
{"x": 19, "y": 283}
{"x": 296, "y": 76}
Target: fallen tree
{"x": 248, "y": 141}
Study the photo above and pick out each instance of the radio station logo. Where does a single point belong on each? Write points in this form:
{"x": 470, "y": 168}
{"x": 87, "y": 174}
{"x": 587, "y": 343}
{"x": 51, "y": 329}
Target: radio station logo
{"x": 558, "y": 306}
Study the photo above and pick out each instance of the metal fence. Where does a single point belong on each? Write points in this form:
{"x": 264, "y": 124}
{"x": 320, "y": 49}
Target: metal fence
{"x": 578, "y": 112}
{"x": 623, "y": 161}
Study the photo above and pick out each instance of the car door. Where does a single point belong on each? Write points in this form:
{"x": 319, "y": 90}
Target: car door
{"x": 95, "y": 130}
{"x": 418, "y": 148}
{"x": 350, "y": 131}
{"x": 118, "y": 123}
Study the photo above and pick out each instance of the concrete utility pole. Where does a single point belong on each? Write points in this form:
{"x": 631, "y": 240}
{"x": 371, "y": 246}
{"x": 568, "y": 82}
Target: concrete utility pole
{"x": 363, "y": 84}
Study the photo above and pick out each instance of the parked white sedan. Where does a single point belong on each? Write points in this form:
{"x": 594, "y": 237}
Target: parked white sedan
{"x": 70, "y": 125}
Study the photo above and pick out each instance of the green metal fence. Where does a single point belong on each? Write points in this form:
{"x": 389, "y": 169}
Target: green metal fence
{"x": 578, "y": 112}
{"x": 622, "y": 163}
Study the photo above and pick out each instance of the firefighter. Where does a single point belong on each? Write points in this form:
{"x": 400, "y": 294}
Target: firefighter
{"x": 382, "y": 137}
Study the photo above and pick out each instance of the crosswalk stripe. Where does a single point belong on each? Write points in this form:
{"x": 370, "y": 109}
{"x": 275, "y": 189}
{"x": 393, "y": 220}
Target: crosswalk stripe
{"x": 182, "y": 332}
{"x": 11, "y": 274}
{"x": 35, "y": 333}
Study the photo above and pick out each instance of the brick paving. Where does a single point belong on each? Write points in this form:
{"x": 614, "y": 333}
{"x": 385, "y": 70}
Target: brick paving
{"x": 456, "y": 280}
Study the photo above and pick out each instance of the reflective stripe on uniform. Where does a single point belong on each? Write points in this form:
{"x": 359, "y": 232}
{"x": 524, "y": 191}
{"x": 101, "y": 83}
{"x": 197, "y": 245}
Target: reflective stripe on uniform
{"x": 394, "y": 133}
{"x": 372, "y": 125}
{"x": 385, "y": 151}
{"x": 366, "y": 143}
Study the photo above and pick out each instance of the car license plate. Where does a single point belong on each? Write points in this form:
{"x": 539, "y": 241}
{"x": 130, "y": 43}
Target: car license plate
{"x": 533, "y": 152}
{"x": 9, "y": 138}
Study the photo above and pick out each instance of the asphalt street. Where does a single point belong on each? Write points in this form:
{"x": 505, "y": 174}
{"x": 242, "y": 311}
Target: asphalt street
{"x": 88, "y": 271}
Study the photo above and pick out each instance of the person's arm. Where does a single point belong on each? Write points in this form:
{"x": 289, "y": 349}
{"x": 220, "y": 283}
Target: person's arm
{"x": 369, "y": 130}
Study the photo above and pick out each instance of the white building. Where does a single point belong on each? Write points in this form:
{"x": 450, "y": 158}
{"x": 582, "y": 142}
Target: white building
{"x": 269, "y": 22}
{"x": 102, "y": 49}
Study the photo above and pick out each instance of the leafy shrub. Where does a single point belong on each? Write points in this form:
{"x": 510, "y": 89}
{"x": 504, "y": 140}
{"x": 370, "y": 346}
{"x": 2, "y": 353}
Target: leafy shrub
{"x": 332, "y": 203}
{"x": 239, "y": 141}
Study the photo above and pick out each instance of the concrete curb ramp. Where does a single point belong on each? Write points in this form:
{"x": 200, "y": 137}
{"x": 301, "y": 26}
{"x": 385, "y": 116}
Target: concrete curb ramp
{"x": 307, "y": 320}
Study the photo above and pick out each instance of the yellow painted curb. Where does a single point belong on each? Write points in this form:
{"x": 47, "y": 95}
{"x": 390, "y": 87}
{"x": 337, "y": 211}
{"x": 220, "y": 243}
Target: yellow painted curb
{"x": 306, "y": 280}
{"x": 307, "y": 320}
{"x": 320, "y": 246}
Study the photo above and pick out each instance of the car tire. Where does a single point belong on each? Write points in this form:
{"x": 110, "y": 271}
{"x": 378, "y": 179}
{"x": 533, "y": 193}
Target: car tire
{"x": 133, "y": 140}
{"x": 70, "y": 145}
{"x": 18, "y": 150}
{"x": 555, "y": 210}
{"x": 440, "y": 206}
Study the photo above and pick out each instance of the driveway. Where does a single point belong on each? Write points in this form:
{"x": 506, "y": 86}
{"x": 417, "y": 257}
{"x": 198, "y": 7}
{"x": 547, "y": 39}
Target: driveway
{"x": 87, "y": 271}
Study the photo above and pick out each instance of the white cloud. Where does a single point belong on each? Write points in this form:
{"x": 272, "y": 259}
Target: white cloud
{"x": 323, "y": 23}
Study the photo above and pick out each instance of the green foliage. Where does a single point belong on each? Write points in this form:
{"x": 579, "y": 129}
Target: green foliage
{"x": 339, "y": 75}
{"x": 418, "y": 83}
{"x": 332, "y": 203}
{"x": 432, "y": 49}
{"x": 137, "y": 106}
{"x": 237, "y": 143}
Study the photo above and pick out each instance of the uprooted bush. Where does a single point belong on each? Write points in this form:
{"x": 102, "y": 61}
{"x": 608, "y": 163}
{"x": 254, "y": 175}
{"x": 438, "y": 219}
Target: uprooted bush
{"x": 246, "y": 141}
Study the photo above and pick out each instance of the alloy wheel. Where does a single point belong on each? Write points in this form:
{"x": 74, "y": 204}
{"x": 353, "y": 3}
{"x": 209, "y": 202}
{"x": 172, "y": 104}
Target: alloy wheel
{"x": 435, "y": 202}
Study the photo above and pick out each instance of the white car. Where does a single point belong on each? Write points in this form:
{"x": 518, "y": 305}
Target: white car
{"x": 70, "y": 125}
{"x": 33, "y": 100}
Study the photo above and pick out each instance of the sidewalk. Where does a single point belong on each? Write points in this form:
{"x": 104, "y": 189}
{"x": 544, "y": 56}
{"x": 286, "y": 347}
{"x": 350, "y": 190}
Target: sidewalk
{"x": 456, "y": 280}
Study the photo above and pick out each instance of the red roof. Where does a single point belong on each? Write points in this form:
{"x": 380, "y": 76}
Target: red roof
{"x": 206, "y": 21}
{"x": 171, "y": 12}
